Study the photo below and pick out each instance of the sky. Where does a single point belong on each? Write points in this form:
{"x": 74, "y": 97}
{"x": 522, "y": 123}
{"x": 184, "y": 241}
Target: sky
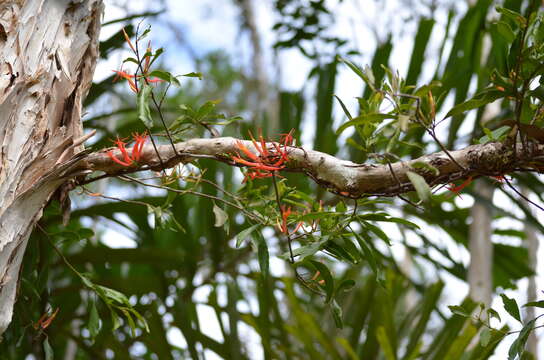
{"x": 208, "y": 25}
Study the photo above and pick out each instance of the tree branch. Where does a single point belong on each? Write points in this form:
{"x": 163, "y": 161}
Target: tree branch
{"x": 341, "y": 176}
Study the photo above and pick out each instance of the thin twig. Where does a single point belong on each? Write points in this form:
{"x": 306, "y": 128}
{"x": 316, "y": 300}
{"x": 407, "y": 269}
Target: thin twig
{"x": 278, "y": 202}
{"x": 197, "y": 193}
{"x": 521, "y": 195}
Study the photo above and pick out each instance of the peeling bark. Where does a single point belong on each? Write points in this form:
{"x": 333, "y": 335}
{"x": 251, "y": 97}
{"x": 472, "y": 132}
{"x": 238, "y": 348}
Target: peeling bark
{"x": 48, "y": 51}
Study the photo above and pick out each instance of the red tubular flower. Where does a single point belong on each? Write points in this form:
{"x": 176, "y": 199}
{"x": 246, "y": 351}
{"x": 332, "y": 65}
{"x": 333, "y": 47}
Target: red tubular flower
{"x": 147, "y": 58}
{"x": 457, "y": 189}
{"x": 287, "y": 139}
{"x": 136, "y": 151}
{"x": 128, "y": 77}
{"x": 256, "y": 145}
{"x": 127, "y": 39}
{"x": 499, "y": 178}
{"x": 267, "y": 162}
{"x": 240, "y": 145}
{"x": 127, "y": 161}
{"x": 110, "y": 154}
{"x": 138, "y": 145}
{"x": 154, "y": 80}
{"x": 284, "y": 214}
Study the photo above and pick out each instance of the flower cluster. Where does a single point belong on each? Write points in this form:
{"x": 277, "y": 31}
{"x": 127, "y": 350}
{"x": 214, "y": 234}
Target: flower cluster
{"x": 285, "y": 212}
{"x": 133, "y": 79}
{"x": 269, "y": 159}
{"x": 45, "y": 320}
{"x": 135, "y": 152}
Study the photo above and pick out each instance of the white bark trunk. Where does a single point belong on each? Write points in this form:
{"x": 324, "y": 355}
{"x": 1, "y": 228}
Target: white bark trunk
{"x": 480, "y": 277}
{"x": 532, "y": 245}
{"x": 48, "y": 50}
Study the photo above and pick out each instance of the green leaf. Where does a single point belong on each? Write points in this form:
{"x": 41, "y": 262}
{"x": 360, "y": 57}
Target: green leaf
{"x": 94, "y": 321}
{"x": 144, "y": 113}
{"x": 262, "y": 252}
{"x": 347, "y": 347}
{"x": 166, "y": 76}
{"x": 539, "y": 304}
{"x": 494, "y": 135}
{"x": 336, "y": 311}
{"x": 379, "y": 232}
{"x": 485, "y": 97}
{"x": 422, "y": 188}
{"x": 367, "y": 251}
{"x": 512, "y": 15}
{"x": 459, "y": 310}
{"x": 385, "y": 344}
{"x": 511, "y": 306}
{"x": 244, "y": 234}
{"x": 505, "y": 31}
{"x": 341, "y": 207}
{"x": 518, "y": 346}
{"x": 359, "y": 72}
{"x": 112, "y": 295}
{"x": 194, "y": 74}
{"x": 116, "y": 322}
{"x": 364, "y": 119}
{"x": 485, "y": 336}
{"x": 131, "y": 59}
{"x": 493, "y": 314}
{"x": 48, "y": 350}
{"x": 145, "y": 33}
{"x": 304, "y": 251}
{"x": 221, "y": 216}
{"x": 345, "y": 285}
{"x": 346, "y": 111}
{"x": 206, "y": 109}
{"x": 423, "y": 165}
{"x": 327, "y": 276}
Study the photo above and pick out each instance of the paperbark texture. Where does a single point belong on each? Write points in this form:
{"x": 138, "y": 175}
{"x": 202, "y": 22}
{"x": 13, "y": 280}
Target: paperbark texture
{"x": 48, "y": 51}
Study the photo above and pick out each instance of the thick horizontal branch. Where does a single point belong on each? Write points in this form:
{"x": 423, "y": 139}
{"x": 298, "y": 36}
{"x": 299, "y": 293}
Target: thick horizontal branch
{"x": 341, "y": 176}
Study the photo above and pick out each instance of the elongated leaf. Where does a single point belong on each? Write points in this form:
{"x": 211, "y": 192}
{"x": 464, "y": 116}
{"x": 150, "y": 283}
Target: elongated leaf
{"x": 48, "y": 350}
{"x": 344, "y": 108}
{"x": 221, "y": 216}
{"x": 485, "y": 97}
{"x": 144, "y": 113}
{"x": 385, "y": 344}
{"x": 94, "y": 321}
{"x": 327, "y": 276}
{"x": 336, "y": 311}
{"x": 244, "y": 234}
{"x": 422, "y": 188}
{"x": 166, "y": 76}
{"x": 363, "y": 119}
{"x": 517, "y": 347}
{"x": 539, "y": 304}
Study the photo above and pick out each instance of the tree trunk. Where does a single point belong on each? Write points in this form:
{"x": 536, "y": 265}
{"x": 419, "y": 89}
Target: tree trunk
{"x": 48, "y": 51}
{"x": 532, "y": 245}
{"x": 480, "y": 276}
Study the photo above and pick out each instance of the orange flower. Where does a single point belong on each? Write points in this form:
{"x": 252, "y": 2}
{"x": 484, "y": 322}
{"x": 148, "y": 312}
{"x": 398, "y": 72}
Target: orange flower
{"x": 138, "y": 145}
{"x": 128, "y": 77}
{"x": 135, "y": 153}
{"x": 457, "y": 189}
{"x": 127, "y": 39}
{"x": 46, "y": 320}
{"x": 267, "y": 162}
{"x": 284, "y": 214}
